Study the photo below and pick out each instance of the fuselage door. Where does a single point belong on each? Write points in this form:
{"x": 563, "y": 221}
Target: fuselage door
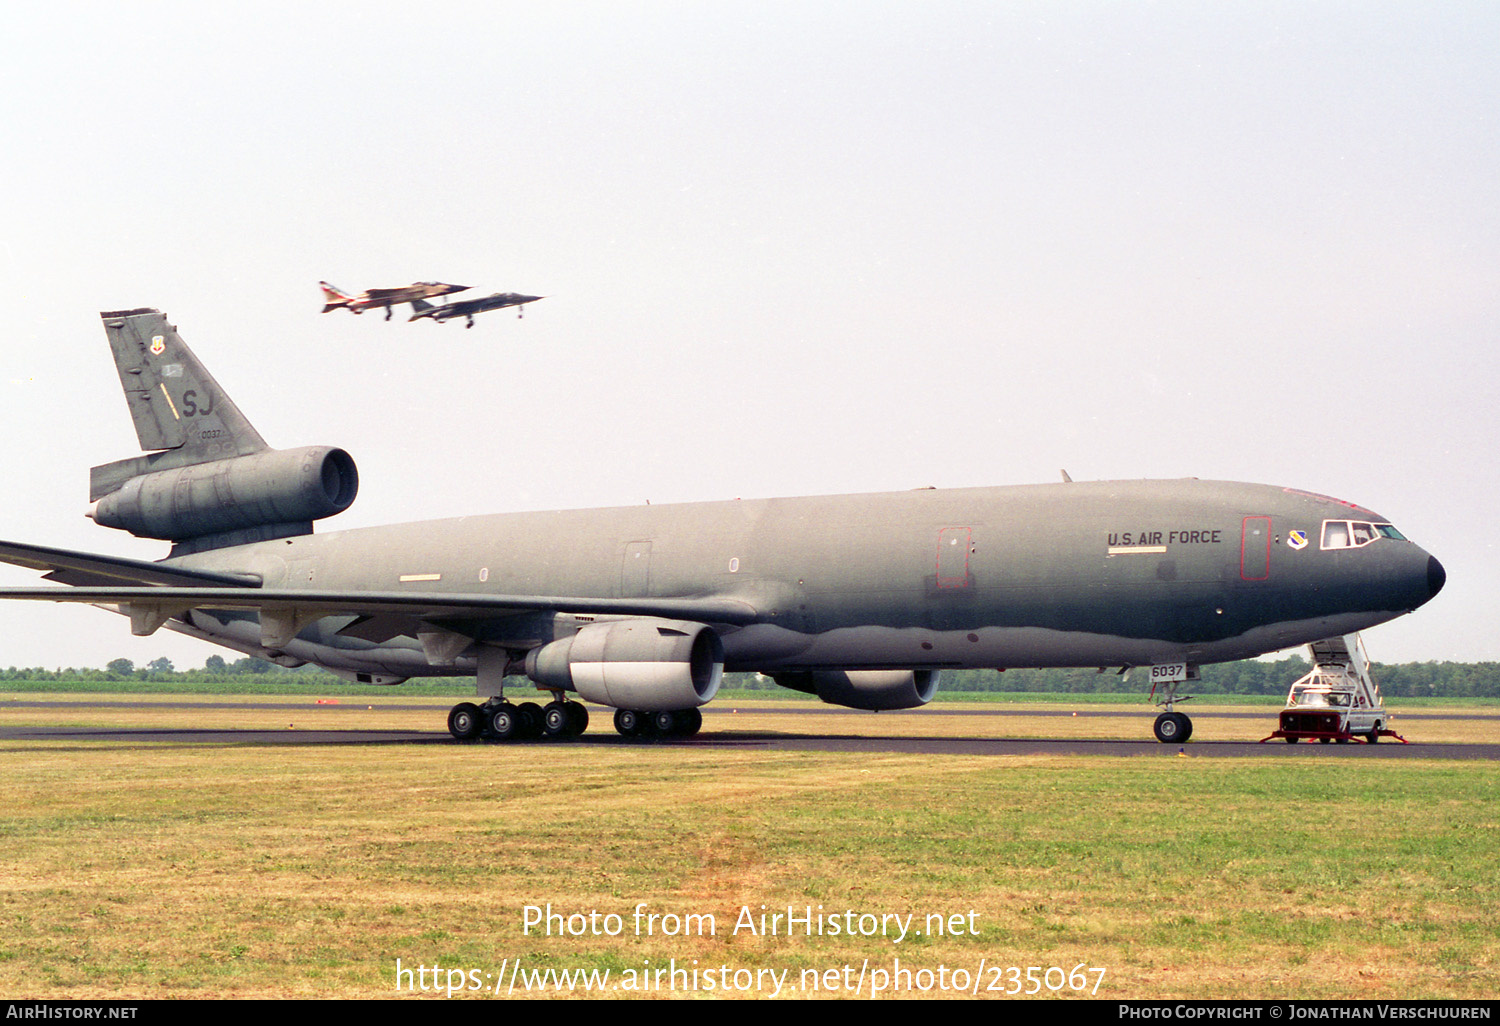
{"x": 1255, "y": 549}
{"x": 635, "y": 570}
{"x": 954, "y": 546}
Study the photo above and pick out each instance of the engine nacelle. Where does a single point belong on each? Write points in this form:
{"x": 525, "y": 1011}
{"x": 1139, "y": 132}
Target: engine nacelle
{"x": 865, "y": 689}
{"x": 277, "y": 488}
{"x": 648, "y": 665}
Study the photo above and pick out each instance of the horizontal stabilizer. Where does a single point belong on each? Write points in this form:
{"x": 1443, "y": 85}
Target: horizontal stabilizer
{"x": 89, "y": 569}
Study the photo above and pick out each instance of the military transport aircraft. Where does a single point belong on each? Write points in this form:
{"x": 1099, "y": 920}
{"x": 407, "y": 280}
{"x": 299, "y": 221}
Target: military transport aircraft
{"x": 861, "y": 600}
{"x": 469, "y": 307}
{"x": 334, "y": 297}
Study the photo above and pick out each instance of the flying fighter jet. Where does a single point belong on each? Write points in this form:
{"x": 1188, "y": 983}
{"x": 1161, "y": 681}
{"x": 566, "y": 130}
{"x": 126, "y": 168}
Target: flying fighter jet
{"x": 861, "y": 600}
{"x": 469, "y": 307}
{"x": 334, "y": 297}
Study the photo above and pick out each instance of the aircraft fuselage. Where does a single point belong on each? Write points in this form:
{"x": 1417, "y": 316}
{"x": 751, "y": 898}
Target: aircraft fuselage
{"x": 1122, "y": 573}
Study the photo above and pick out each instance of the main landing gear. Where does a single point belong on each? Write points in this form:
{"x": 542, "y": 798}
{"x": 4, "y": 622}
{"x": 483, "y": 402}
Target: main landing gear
{"x": 502, "y": 721}
{"x": 499, "y": 720}
{"x": 665, "y": 723}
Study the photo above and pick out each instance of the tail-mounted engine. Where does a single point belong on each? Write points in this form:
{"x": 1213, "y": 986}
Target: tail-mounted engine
{"x": 209, "y": 479}
{"x": 644, "y": 664}
{"x": 865, "y": 689}
{"x": 268, "y": 494}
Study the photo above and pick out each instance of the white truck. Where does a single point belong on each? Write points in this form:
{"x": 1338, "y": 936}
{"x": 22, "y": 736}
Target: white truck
{"x": 1337, "y": 700}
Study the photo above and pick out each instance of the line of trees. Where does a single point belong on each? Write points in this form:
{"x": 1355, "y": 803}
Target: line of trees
{"x": 215, "y": 670}
{"x": 1249, "y": 677}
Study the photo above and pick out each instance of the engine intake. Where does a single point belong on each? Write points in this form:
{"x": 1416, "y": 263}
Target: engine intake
{"x": 648, "y": 665}
{"x": 865, "y": 689}
{"x": 280, "y": 490}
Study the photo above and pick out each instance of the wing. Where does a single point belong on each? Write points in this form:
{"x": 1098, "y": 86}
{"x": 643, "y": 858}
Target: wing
{"x": 284, "y": 612}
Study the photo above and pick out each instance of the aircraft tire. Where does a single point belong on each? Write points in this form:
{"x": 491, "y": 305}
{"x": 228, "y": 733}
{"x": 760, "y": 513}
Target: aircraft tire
{"x": 531, "y": 720}
{"x": 558, "y": 720}
{"x": 665, "y": 723}
{"x": 464, "y": 721}
{"x": 692, "y": 722}
{"x": 580, "y": 714}
{"x": 630, "y": 723}
{"x": 1187, "y": 726}
{"x": 504, "y": 721}
{"x": 1170, "y": 729}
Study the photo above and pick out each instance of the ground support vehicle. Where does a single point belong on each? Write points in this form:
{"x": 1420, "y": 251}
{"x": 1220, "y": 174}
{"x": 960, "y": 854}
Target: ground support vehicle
{"x": 1337, "y": 700}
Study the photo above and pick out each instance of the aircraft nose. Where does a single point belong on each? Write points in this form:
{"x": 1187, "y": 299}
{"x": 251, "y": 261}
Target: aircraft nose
{"x": 1436, "y": 576}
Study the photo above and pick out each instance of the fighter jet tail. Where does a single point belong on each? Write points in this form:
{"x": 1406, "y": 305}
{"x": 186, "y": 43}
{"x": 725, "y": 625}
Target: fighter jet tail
{"x": 211, "y": 480}
{"x": 420, "y": 308}
{"x": 334, "y": 297}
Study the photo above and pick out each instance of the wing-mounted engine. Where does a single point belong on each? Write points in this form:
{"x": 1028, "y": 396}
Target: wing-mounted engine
{"x": 865, "y": 689}
{"x": 213, "y": 481}
{"x": 642, "y": 664}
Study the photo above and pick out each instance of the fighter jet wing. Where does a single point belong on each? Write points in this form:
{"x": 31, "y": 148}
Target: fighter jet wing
{"x": 87, "y": 568}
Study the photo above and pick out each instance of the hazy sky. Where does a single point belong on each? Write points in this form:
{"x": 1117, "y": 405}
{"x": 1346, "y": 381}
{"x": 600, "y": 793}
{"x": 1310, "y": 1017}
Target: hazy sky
{"x": 788, "y": 249}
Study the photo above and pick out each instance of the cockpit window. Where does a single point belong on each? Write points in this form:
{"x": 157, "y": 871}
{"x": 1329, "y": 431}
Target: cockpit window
{"x": 1354, "y": 534}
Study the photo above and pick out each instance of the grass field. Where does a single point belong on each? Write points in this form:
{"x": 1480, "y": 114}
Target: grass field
{"x": 163, "y": 870}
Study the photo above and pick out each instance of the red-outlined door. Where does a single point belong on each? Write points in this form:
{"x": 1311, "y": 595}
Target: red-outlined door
{"x": 1255, "y": 549}
{"x": 954, "y": 545}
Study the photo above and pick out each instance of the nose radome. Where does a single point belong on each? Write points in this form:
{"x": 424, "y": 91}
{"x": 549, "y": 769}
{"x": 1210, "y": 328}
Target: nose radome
{"x": 1436, "y": 576}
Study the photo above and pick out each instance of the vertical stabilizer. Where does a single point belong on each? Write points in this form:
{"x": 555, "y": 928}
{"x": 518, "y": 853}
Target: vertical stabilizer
{"x": 175, "y": 403}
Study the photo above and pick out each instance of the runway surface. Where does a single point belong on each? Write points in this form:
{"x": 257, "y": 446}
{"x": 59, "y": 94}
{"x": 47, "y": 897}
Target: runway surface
{"x": 719, "y": 732}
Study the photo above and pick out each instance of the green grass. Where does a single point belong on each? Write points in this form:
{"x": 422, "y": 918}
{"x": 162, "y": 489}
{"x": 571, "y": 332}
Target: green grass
{"x": 147, "y": 870}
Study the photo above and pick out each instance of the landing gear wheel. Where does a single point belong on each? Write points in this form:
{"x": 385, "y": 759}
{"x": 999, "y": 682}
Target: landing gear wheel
{"x": 666, "y": 723}
{"x": 629, "y": 722}
{"x": 1172, "y": 728}
{"x": 504, "y": 721}
{"x": 558, "y": 720}
{"x": 464, "y": 721}
{"x": 531, "y": 719}
{"x": 691, "y": 722}
{"x": 580, "y": 714}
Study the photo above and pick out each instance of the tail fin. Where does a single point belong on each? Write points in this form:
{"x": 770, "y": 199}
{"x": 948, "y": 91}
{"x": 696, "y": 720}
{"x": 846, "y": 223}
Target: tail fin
{"x": 333, "y": 297}
{"x": 419, "y": 308}
{"x": 175, "y": 403}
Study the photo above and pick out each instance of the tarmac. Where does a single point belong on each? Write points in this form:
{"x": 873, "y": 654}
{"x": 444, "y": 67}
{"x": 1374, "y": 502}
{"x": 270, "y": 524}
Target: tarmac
{"x": 718, "y": 732}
